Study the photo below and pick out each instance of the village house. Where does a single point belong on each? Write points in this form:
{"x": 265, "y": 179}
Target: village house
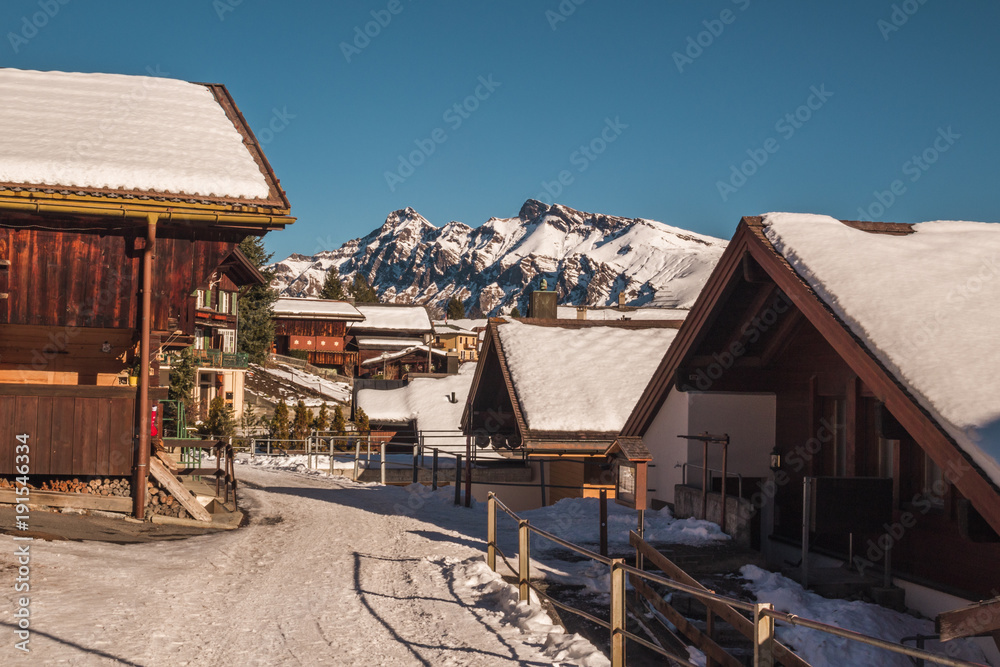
{"x": 317, "y": 330}
{"x": 556, "y": 393}
{"x": 857, "y": 359}
{"x": 220, "y": 369}
{"x": 458, "y": 337}
{"x": 395, "y": 339}
{"x": 120, "y": 196}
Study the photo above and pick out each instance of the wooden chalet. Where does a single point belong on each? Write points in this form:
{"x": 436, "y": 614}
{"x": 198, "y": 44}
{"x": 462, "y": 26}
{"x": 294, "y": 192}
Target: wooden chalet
{"x": 318, "y": 328}
{"x": 557, "y": 392}
{"x": 104, "y": 238}
{"x": 214, "y": 310}
{"x": 388, "y": 329}
{"x": 813, "y": 373}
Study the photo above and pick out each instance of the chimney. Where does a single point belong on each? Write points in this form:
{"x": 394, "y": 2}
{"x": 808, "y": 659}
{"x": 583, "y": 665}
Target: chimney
{"x": 621, "y": 300}
{"x": 543, "y": 303}
{"x": 581, "y": 312}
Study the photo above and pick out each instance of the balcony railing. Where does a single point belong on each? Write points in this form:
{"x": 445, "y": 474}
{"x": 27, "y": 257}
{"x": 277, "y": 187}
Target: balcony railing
{"x": 210, "y": 359}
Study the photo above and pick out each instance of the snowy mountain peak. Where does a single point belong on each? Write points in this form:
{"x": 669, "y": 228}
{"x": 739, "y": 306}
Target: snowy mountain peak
{"x": 587, "y": 258}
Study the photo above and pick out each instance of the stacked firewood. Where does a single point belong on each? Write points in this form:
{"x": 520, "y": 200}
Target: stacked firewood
{"x": 159, "y": 501}
{"x": 97, "y": 486}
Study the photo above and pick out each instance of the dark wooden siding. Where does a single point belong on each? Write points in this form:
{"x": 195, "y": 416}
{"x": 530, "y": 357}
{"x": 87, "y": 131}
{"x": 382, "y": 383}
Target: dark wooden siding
{"x": 87, "y": 279}
{"x": 298, "y": 327}
{"x": 71, "y": 430}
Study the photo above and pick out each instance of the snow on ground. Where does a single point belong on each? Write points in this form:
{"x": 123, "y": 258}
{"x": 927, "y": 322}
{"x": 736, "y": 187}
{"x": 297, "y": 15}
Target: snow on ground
{"x": 824, "y": 650}
{"x": 111, "y": 131}
{"x": 327, "y": 573}
{"x": 335, "y": 391}
{"x": 932, "y": 317}
{"x": 321, "y": 463}
{"x": 585, "y": 379}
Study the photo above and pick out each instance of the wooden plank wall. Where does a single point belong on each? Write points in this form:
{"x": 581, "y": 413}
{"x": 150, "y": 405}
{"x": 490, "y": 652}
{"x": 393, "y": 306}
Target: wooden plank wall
{"x": 70, "y": 432}
{"x": 86, "y": 279}
{"x": 302, "y": 327}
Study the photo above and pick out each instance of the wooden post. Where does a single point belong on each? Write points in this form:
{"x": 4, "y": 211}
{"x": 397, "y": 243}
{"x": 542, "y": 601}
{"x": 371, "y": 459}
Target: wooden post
{"x": 604, "y": 522}
{"x": 382, "y": 462}
{"x": 145, "y": 324}
{"x": 710, "y": 633}
{"x": 725, "y": 479}
{"x": 458, "y": 479}
{"x": 617, "y": 613}
{"x": 357, "y": 458}
{"x": 468, "y": 470}
{"x": 434, "y": 471}
{"x": 806, "y": 521}
{"x": 415, "y": 474}
{"x": 329, "y": 471}
{"x": 541, "y": 480}
{"x": 523, "y": 558}
{"x": 491, "y": 531}
{"x": 704, "y": 480}
{"x": 763, "y": 654}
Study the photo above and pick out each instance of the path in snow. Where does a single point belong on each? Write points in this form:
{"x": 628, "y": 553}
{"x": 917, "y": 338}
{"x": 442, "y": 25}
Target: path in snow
{"x": 328, "y": 572}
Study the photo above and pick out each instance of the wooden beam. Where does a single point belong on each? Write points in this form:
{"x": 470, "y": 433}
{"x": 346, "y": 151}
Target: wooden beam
{"x": 84, "y": 501}
{"x": 972, "y": 621}
{"x": 740, "y": 622}
{"x": 702, "y": 641}
{"x": 851, "y": 426}
{"x": 781, "y": 337}
{"x": 178, "y": 491}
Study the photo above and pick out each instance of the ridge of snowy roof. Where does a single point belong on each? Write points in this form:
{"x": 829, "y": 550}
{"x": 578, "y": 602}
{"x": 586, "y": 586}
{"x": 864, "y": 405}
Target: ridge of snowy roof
{"x": 123, "y": 133}
{"x": 584, "y": 378}
{"x": 393, "y": 317}
{"x": 933, "y": 320}
{"x": 287, "y": 306}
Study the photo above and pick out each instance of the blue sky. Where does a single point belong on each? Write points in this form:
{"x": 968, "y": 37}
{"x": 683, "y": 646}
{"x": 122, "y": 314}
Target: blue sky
{"x": 691, "y": 113}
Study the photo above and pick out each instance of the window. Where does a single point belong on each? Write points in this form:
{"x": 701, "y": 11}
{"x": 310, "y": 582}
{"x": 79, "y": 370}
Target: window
{"x": 199, "y": 338}
{"x": 201, "y": 299}
{"x": 223, "y": 302}
{"x": 228, "y": 340}
{"x": 935, "y": 488}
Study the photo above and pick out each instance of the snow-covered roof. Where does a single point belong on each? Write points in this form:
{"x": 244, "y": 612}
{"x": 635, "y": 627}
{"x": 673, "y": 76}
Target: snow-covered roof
{"x": 389, "y": 356}
{"x": 117, "y": 132}
{"x": 372, "y": 343}
{"x": 610, "y": 313}
{"x": 316, "y": 309}
{"x": 427, "y": 400}
{"x": 580, "y": 379}
{"x": 927, "y": 304}
{"x": 381, "y": 317}
{"x": 448, "y": 328}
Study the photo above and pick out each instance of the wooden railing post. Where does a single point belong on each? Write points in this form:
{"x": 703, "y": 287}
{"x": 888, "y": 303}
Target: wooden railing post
{"x": 434, "y": 471}
{"x": 763, "y": 654}
{"x": 382, "y": 457}
{"x": 458, "y": 479}
{"x": 523, "y": 557}
{"x": 491, "y": 531}
{"x": 415, "y": 474}
{"x": 617, "y": 613}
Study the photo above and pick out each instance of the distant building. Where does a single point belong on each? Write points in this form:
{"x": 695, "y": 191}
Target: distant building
{"x": 317, "y": 330}
{"x": 459, "y": 337}
{"x": 386, "y": 331}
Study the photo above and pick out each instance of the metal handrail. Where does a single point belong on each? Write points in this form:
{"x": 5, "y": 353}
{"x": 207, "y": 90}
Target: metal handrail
{"x": 685, "y": 465}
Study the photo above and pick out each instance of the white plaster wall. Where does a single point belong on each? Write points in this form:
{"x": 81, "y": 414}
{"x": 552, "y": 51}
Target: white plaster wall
{"x": 749, "y": 419}
{"x": 667, "y": 449}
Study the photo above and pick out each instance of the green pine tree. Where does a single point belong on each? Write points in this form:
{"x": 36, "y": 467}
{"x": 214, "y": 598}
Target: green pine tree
{"x": 280, "y": 427}
{"x": 339, "y": 424}
{"x": 301, "y": 422}
{"x": 182, "y": 379}
{"x": 256, "y": 306}
{"x": 515, "y": 312}
{"x": 322, "y": 419}
{"x": 221, "y": 420}
{"x": 332, "y": 287}
{"x": 456, "y": 311}
{"x": 362, "y": 291}
{"x": 361, "y": 422}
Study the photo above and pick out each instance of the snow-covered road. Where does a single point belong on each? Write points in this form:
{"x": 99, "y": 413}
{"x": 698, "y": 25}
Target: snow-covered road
{"x": 328, "y": 573}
